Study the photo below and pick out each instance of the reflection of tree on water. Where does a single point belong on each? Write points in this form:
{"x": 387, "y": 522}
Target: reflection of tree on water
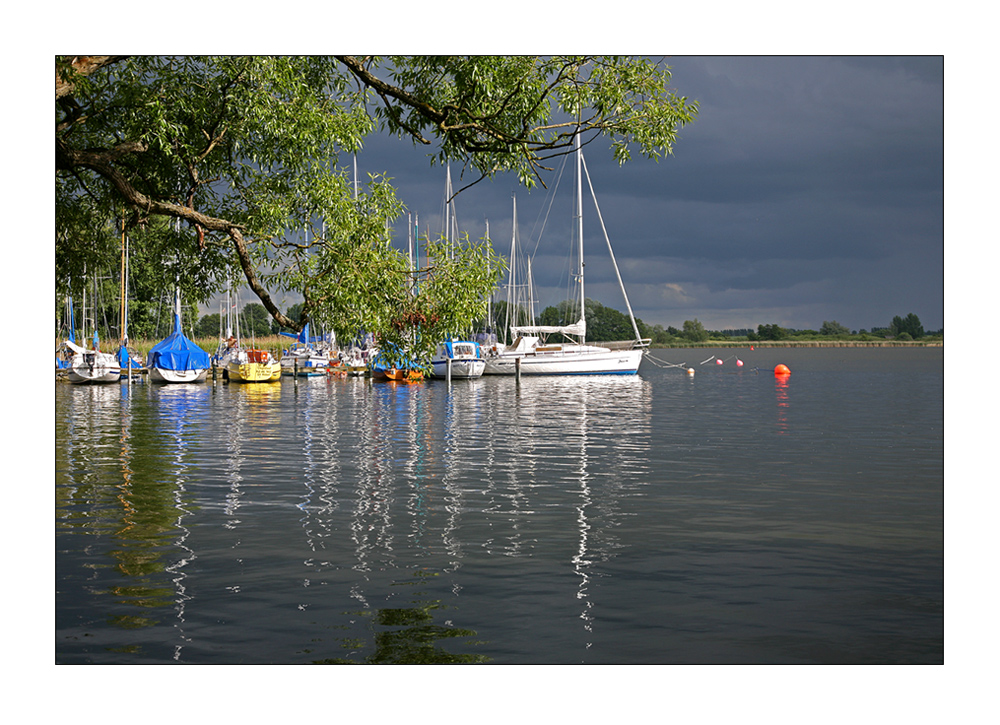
{"x": 408, "y": 635}
{"x": 112, "y": 457}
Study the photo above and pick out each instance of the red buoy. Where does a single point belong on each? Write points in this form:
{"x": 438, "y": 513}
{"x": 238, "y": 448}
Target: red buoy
{"x": 782, "y": 370}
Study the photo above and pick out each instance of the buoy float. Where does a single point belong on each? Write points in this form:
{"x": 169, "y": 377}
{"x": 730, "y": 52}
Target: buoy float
{"x": 690, "y": 371}
{"x": 718, "y": 362}
{"x": 739, "y": 363}
{"x": 782, "y": 370}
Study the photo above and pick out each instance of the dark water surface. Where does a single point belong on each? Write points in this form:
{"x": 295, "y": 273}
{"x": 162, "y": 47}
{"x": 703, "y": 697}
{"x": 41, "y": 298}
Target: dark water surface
{"x": 731, "y": 517}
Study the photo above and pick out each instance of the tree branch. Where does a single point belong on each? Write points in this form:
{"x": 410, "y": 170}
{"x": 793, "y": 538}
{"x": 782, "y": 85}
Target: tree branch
{"x": 102, "y": 161}
{"x": 79, "y": 65}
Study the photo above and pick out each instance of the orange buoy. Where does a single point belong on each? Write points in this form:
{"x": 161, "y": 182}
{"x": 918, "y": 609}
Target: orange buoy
{"x": 782, "y": 370}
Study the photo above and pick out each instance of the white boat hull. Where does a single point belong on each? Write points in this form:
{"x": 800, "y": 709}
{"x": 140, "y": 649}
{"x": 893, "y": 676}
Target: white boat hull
{"x": 305, "y": 367}
{"x": 470, "y": 368}
{"x": 162, "y": 375}
{"x": 592, "y": 361}
{"x": 94, "y": 368}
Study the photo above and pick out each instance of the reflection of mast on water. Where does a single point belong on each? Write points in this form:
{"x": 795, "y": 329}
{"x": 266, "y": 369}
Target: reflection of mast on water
{"x": 321, "y": 445}
{"x": 370, "y": 528}
{"x": 176, "y": 401}
{"x": 454, "y": 471}
{"x": 582, "y": 562}
{"x": 236, "y": 459}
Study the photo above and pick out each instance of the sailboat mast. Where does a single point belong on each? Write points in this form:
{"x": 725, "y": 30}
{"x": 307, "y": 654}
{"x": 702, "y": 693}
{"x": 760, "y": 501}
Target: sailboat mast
{"x": 512, "y": 277}
{"x": 409, "y": 243}
{"x": 450, "y": 218}
{"x": 579, "y": 227}
{"x": 83, "y": 310}
{"x": 122, "y": 307}
{"x": 489, "y": 300}
{"x": 531, "y": 296}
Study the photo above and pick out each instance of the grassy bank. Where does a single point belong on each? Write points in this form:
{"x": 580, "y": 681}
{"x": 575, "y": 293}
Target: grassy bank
{"x": 800, "y": 343}
{"x": 274, "y": 343}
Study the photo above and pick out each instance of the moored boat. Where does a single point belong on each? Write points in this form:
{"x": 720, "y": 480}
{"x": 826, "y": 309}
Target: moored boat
{"x": 91, "y": 366}
{"x": 397, "y": 375}
{"x": 464, "y": 357}
{"x": 394, "y": 368}
{"x": 307, "y": 357}
{"x": 531, "y": 354}
{"x": 253, "y": 365}
{"x": 177, "y": 359}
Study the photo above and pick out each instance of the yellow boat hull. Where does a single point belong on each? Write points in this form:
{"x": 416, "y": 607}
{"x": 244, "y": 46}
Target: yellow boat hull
{"x": 254, "y": 372}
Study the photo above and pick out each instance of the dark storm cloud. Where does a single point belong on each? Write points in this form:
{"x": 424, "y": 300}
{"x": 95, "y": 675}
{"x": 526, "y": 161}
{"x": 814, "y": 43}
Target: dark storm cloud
{"x": 809, "y": 188}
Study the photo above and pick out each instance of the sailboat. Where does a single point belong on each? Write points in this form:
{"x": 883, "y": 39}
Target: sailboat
{"x": 253, "y": 365}
{"x": 177, "y": 359}
{"x": 246, "y": 364}
{"x": 92, "y": 366}
{"x": 89, "y": 365}
{"x": 530, "y": 354}
{"x": 129, "y": 363}
{"x": 304, "y": 358}
{"x": 227, "y": 348}
{"x": 64, "y": 355}
{"x": 455, "y": 358}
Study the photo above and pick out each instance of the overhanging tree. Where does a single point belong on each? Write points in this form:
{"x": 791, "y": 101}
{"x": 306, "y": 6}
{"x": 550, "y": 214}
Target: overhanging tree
{"x": 244, "y": 152}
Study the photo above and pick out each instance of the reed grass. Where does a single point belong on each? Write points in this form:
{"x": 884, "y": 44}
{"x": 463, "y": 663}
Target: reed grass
{"x": 273, "y": 343}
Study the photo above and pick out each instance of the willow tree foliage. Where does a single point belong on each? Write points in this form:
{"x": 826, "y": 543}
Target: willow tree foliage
{"x": 238, "y": 166}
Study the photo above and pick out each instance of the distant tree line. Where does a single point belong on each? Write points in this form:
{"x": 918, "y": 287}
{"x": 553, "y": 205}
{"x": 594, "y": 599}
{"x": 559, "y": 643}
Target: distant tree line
{"x": 607, "y": 324}
{"x": 603, "y": 324}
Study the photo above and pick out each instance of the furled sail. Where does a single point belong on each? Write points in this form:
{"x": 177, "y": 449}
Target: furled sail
{"x": 578, "y": 328}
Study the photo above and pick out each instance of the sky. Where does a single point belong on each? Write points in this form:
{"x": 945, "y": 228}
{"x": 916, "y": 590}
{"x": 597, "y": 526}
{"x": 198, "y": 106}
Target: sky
{"x": 808, "y": 189}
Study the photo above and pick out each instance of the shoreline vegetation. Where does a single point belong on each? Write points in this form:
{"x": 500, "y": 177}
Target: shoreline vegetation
{"x": 800, "y": 343}
{"x": 277, "y": 343}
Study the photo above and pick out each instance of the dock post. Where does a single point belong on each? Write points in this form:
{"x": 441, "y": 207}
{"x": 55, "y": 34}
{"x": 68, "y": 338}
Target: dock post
{"x": 447, "y": 374}
{"x": 517, "y": 369}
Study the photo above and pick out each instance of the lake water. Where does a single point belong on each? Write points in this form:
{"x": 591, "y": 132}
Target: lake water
{"x": 728, "y": 517}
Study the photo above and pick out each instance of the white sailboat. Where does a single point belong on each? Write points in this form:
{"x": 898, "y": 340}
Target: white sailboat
{"x": 228, "y": 348}
{"x": 92, "y": 366}
{"x": 177, "y": 359}
{"x": 308, "y": 357}
{"x": 530, "y": 354}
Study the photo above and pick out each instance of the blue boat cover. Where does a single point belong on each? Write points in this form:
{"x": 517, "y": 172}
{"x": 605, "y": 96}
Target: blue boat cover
{"x": 390, "y": 352}
{"x": 123, "y": 356}
{"x": 177, "y": 352}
